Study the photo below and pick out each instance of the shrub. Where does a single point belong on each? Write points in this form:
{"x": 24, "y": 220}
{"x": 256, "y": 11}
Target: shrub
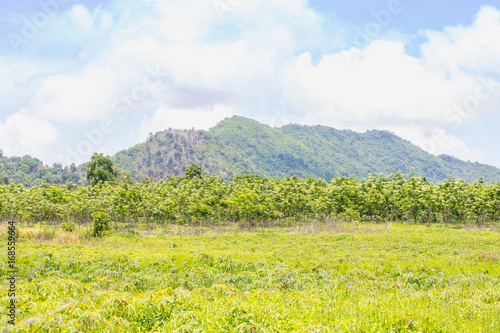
{"x": 101, "y": 223}
{"x": 68, "y": 226}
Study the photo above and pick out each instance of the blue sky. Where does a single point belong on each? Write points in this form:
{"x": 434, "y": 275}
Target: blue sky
{"x": 79, "y": 77}
{"x": 421, "y": 14}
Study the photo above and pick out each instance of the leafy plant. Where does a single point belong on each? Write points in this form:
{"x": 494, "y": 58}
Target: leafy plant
{"x": 250, "y": 201}
{"x": 100, "y": 223}
{"x": 406, "y": 278}
{"x": 101, "y": 169}
{"x": 68, "y": 226}
{"x": 194, "y": 171}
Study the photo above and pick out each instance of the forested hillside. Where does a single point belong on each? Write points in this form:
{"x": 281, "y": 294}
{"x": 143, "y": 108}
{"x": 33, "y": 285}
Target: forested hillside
{"x": 239, "y": 145}
{"x": 31, "y": 171}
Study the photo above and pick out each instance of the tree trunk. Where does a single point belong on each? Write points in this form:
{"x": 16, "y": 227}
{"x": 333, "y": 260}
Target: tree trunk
{"x": 429, "y": 213}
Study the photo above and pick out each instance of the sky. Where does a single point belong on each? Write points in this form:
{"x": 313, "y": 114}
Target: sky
{"x": 79, "y": 77}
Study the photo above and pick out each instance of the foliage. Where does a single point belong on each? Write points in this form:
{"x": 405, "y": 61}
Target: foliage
{"x": 255, "y": 199}
{"x": 125, "y": 176}
{"x": 397, "y": 279}
{"x": 29, "y": 171}
{"x": 68, "y": 226}
{"x": 239, "y": 145}
{"x": 101, "y": 169}
{"x": 194, "y": 171}
{"x": 100, "y": 223}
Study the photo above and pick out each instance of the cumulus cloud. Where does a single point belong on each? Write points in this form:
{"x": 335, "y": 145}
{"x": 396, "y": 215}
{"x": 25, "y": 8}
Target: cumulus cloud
{"x": 81, "y": 17}
{"x": 181, "y": 38}
{"x": 63, "y": 98}
{"x": 473, "y": 49}
{"x": 21, "y": 134}
{"x": 198, "y": 118}
{"x": 249, "y": 59}
{"x": 382, "y": 83}
{"x": 381, "y": 86}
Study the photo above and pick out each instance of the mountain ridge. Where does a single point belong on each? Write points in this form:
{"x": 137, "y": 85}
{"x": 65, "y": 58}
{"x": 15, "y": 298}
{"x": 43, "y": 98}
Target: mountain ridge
{"x": 239, "y": 145}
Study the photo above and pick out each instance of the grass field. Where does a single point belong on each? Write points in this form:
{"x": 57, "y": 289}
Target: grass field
{"x": 351, "y": 278}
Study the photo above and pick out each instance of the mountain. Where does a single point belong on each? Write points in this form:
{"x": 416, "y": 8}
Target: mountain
{"x": 240, "y": 145}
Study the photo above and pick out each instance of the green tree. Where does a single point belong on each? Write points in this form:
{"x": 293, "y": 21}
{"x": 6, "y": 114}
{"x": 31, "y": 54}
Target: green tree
{"x": 101, "y": 169}
{"x": 126, "y": 176}
{"x": 194, "y": 171}
{"x": 100, "y": 223}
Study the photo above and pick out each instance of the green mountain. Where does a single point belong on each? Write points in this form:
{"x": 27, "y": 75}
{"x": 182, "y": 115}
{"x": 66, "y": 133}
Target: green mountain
{"x": 30, "y": 171}
{"x": 240, "y": 145}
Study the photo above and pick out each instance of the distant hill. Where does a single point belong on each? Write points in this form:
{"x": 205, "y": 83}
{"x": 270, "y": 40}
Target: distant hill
{"x": 240, "y": 145}
{"x": 31, "y": 171}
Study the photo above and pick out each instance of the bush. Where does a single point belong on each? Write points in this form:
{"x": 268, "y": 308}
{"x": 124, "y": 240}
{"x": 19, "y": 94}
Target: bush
{"x": 101, "y": 223}
{"x": 68, "y": 226}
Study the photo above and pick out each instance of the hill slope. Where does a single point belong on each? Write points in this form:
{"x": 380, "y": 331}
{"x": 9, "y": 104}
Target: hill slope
{"x": 31, "y": 171}
{"x": 240, "y": 145}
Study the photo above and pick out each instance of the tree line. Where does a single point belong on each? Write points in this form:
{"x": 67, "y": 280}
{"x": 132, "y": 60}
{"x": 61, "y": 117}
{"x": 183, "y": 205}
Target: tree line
{"x": 210, "y": 199}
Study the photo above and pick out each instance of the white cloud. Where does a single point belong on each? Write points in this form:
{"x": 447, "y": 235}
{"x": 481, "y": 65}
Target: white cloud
{"x": 21, "y": 134}
{"x": 257, "y": 57}
{"x": 473, "y": 49}
{"x": 382, "y": 83}
{"x": 81, "y": 16}
{"x": 179, "y": 38}
{"x": 381, "y": 86}
{"x": 198, "y": 118}
{"x": 172, "y": 36}
{"x": 63, "y": 98}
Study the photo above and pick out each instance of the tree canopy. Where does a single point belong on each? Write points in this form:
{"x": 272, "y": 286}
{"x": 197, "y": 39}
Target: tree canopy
{"x": 101, "y": 169}
{"x": 194, "y": 171}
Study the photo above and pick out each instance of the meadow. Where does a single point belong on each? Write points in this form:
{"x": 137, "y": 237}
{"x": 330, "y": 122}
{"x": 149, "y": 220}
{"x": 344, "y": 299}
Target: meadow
{"x": 323, "y": 277}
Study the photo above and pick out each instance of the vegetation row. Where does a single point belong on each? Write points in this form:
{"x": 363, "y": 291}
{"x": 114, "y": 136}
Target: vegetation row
{"x": 211, "y": 199}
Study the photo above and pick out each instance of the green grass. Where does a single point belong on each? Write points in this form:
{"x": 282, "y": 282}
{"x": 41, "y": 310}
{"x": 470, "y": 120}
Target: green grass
{"x": 363, "y": 278}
